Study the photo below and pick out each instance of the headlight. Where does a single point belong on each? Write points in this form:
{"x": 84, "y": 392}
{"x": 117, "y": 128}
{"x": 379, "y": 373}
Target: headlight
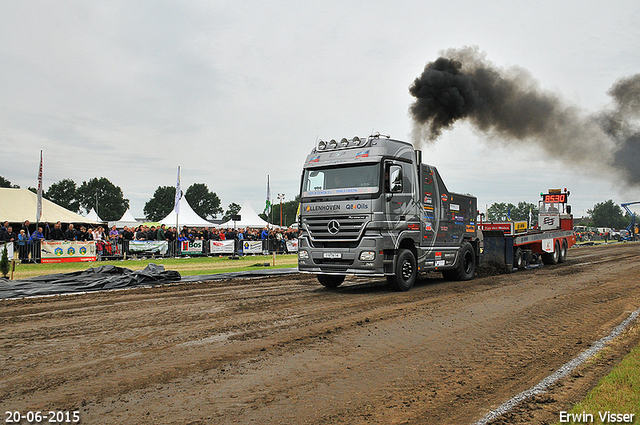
{"x": 303, "y": 255}
{"x": 344, "y": 142}
{"x": 367, "y": 255}
{"x": 333, "y": 144}
{"x": 322, "y": 145}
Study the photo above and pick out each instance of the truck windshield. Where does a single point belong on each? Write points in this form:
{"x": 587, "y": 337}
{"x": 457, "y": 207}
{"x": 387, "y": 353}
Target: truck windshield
{"x": 352, "y": 180}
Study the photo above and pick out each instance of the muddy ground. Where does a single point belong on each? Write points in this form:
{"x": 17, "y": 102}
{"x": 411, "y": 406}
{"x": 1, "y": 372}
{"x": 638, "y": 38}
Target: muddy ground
{"x": 285, "y": 350}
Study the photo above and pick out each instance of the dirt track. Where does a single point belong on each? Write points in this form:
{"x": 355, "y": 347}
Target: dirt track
{"x": 286, "y": 350}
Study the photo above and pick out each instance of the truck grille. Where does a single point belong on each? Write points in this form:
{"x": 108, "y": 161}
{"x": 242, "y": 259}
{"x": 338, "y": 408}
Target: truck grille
{"x": 335, "y": 228}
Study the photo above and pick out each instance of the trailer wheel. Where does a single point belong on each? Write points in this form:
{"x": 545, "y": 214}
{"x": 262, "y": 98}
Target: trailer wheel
{"x": 518, "y": 259}
{"x": 330, "y": 280}
{"x": 405, "y": 273}
{"x": 466, "y": 267}
{"x": 552, "y": 258}
{"x": 563, "y": 252}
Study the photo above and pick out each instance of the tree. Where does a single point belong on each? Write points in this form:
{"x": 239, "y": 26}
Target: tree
{"x": 289, "y": 211}
{"x": 4, "y": 261}
{"x": 111, "y": 203}
{"x": 521, "y": 212}
{"x": 6, "y": 183}
{"x": 500, "y": 211}
{"x": 232, "y": 209}
{"x": 204, "y": 203}
{"x": 64, "y": 193}
{"x": 162, "y": 203}
{"x": 607, "y": 214}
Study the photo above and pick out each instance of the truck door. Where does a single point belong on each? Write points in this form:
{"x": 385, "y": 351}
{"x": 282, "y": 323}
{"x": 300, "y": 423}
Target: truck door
{"x": 398, "y": 191}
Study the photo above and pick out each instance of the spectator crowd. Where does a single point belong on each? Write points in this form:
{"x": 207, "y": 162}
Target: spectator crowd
{"x": 108, "y": 239}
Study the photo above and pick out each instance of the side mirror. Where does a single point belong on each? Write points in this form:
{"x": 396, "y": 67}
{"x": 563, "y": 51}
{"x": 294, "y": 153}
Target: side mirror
{"x": 395, "y": 179}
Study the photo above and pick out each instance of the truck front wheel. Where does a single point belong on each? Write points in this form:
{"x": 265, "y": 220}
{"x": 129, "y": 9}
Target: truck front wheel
{"x": 466, "y": 265}
{"x": 406, "y": 271}
{"x": 330, "y": 280}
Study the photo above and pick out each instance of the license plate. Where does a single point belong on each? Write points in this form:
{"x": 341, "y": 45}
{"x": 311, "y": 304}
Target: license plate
{"x": 332, "y": 255}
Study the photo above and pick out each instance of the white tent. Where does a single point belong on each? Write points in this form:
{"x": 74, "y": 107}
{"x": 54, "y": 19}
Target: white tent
{"x": 248, "y": 217}
{"x": 18, "y": 205}
{"x": 187, "y": 217}
{"x": 93, "y": 216}
{"x": 127, "y": 219}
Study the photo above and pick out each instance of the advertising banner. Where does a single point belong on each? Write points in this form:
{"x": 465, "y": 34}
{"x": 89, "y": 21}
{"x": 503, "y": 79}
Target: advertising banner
{"x": 221, "y": 247}
{"x": 191, "y": 247}
{"x": 67, "y": 251}
{"x": 292, "y": 245}
{"x": 149, "y": 247}
{"x": 252, "y": 247}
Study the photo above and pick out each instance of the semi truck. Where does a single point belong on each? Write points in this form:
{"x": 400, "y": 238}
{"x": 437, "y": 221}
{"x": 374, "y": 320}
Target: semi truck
{"x": 370, "y": 207}
{"x": 513, "y": 244}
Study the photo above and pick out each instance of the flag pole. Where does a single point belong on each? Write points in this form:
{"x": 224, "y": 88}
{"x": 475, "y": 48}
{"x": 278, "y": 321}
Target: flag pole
{"x": 39, "y": 203}
{"x": 177, "y": 205}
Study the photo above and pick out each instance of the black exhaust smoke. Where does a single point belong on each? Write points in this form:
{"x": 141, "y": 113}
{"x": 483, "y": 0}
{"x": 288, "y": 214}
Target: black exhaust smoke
{"x": 509, "y": 105}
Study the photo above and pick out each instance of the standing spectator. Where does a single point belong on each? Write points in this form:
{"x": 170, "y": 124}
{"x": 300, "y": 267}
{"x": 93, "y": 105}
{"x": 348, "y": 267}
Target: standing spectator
{"x": 98, "y": 238}
{"x": 151, "y": 234}
{"x": 82, "y": 234}
{"x": 23, "y": 253}
{"x": 3, "y": 229}
{"x": 160, "y": 233}
{"x": 170, "y": 236}
{"x": 25, "y": 227}
{"x": 34, "y": 241}
{"x": 206, "y": 235}
{"x": 56, "y": 233}
{"x": 70, "y": 234}
{"x": 8, "y": 235}
{"x": 127, "y": 234}
{"x": 114, "y": 235}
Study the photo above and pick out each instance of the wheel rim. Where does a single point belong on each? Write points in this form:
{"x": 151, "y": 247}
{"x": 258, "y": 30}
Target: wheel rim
{"x": 407, "y": 270}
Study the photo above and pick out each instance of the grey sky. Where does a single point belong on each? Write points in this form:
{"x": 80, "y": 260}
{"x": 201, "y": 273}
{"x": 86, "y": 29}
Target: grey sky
{"x": 234, "y": 90}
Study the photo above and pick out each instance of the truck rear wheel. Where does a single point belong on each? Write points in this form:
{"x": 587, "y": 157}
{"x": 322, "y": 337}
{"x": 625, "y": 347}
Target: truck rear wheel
{"x": 518, "y": 259}
{"x": 466, "y": 267}
{"x": 330, "y": 280}
{"x": 563, "y": 252}
{"x": 406, "y": 271}
{"x": 551, "y": 258}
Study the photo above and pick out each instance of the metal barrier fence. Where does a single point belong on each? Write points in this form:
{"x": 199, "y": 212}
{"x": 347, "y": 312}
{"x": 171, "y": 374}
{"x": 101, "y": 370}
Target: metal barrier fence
{"x": 59, "y": 251}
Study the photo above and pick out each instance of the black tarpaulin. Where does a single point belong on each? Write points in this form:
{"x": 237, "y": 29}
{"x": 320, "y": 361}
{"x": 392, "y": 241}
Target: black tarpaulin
{"x": 93, "y": 279}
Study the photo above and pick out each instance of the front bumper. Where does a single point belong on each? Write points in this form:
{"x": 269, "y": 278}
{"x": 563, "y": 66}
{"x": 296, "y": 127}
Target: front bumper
{"x": 344, "y": 260}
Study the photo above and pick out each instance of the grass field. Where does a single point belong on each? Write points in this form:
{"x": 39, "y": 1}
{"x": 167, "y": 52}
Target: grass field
{"x": 617, "y": 393}
{"x": 186, "y": 266}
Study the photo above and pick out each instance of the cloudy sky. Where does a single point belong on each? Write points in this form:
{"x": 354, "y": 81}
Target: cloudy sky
{"x": 233, "y": 91}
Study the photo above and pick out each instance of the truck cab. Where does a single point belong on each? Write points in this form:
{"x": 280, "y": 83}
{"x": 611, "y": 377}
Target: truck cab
{"x": 370, "y": 208}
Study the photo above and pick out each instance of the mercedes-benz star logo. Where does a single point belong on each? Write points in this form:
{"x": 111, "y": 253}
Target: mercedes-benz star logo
{"x": 333, "y": 227}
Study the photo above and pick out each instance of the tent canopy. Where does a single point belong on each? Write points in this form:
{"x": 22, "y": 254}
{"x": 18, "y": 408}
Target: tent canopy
{"x": 18, "y": 205}
{"x": 187, "y": 217}
{"x": 93, "y": 215}
{"x": 249, "y": 218}
{"x": 127, "y": 219}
